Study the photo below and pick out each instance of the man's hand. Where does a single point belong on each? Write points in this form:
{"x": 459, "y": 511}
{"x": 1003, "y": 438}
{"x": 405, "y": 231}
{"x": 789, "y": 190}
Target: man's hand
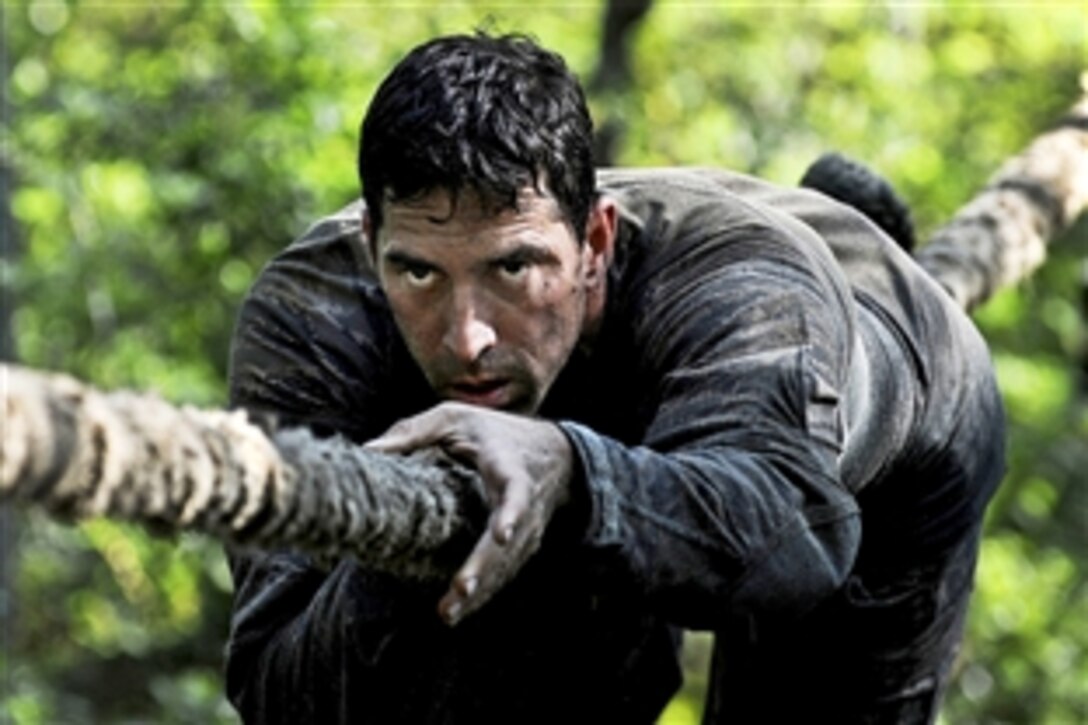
{"x": 526, "y": 467}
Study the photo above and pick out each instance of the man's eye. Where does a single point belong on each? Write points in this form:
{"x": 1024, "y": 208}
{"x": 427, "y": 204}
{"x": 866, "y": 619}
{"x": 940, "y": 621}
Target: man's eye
{"x": 514, "y": 268}
{"x": 418, "y": 275}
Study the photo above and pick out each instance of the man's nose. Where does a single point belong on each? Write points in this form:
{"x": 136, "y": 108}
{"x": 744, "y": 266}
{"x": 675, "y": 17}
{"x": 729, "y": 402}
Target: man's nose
{"x": 468, "y": 334}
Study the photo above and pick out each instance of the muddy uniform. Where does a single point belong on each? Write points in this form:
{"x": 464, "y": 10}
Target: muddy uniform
{"x": 784, "y": 433}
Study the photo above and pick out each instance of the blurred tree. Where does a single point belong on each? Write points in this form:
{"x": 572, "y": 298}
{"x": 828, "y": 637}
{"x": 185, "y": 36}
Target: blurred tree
{"x": 612, "y": 74}
{"x": 162, "y": 153}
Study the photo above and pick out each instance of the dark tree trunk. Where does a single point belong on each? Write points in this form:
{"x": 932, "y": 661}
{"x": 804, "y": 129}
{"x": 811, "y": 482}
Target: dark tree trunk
{"x": 614, "y": 62}
{"x": 613, "y": 74}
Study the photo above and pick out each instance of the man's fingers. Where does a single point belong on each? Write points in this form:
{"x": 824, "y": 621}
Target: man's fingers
{"x": 482, "y": 575}
{"x": 419, "y": 431}
{"x": 398, "y": 439}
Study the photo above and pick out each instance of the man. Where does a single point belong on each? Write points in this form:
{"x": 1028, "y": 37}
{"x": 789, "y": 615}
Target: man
{"x": 696, "y": 400}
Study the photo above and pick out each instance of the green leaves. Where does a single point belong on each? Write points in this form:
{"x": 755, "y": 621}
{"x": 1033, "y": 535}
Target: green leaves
{"x": 162, "y": 153}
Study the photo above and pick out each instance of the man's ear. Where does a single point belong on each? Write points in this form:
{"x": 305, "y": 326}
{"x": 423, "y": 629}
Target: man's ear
{"x": 600, "y": 239}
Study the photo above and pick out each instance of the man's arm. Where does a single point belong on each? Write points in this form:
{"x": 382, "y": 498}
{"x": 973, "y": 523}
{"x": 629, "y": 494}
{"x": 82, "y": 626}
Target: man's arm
{"x": 305, "y": 636}
{"x": 733, "y": 502}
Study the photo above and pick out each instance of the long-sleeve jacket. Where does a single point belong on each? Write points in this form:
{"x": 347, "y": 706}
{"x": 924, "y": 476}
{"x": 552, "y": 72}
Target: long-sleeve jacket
{"x": 776, "y": 393}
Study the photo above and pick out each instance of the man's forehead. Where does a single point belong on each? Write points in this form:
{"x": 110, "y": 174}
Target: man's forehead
{"x": 442, "y": 205}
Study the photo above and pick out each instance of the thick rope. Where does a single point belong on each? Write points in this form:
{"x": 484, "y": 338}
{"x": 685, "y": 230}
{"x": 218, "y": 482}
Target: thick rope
{"x": 79, "y": 452}
{"x": 1000, "y": 237}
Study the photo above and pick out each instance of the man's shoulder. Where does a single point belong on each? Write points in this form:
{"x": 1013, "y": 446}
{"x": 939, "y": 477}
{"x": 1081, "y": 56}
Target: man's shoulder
{"x": 314, "y": 340}
{"x": 327, "y": 261}
{"x": 696, "y": 194}
{"x": 665, "y": 179}
{"x": 318, "y": 293}
{"x": 343, "y": 227}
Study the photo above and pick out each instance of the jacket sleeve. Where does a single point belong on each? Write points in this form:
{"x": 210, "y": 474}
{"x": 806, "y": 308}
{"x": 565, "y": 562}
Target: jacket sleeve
{"x": 732, "y": 503}
{"x": 305, "y": 637}
{"x": 305, "y": 642}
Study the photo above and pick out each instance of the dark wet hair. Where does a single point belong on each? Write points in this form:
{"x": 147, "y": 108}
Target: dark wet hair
{"x": 491, "y": 114}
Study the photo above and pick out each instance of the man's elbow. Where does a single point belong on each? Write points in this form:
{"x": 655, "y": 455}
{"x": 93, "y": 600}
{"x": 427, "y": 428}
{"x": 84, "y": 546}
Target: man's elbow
{"x": 807, "y": 564}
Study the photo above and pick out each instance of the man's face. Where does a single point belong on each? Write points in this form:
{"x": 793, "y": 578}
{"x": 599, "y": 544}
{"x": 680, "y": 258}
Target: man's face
{"x": 491, "y": 305}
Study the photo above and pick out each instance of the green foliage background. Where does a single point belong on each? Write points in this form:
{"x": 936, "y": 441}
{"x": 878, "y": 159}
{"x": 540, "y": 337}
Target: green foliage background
{"x": 156, "y": 157}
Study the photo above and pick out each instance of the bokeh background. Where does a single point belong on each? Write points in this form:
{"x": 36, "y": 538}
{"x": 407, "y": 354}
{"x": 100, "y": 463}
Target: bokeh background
{"x": 155, "y": 155}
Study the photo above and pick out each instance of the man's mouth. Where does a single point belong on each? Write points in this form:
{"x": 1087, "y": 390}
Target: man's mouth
{"x": 486, "y": 392}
